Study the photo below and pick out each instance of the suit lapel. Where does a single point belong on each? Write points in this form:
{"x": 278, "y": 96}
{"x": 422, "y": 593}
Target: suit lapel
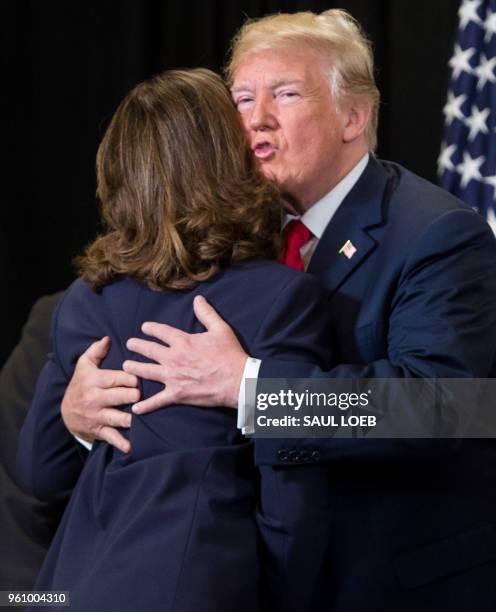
{"x": 332, "y": 267}
{"x": 360, "y": 210}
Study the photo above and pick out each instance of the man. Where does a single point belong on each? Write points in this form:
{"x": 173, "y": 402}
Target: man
{"x": 410, "y": 276}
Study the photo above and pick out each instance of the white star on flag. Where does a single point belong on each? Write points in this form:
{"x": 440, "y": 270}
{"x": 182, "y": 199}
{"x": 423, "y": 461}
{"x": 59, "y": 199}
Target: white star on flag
{"x": 453, "y": 107}
{"x": 460, "y": 61}
{"x": 468, "y": 12}
{"x": 467, "y": 160}
{"x": 485, "y": 71}
{"x": 491, "y": 180}
{"x": 469, "y": 168}
{"x": 489, "y": 25}
{"x": 477, "y": 122}
{"x": 444, "y": 160}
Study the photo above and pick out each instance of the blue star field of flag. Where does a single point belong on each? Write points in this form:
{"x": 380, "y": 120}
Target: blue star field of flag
{"x": 467, "y": 163}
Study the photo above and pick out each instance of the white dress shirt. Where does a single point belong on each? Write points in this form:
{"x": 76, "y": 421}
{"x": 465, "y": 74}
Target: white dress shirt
{"x": 316, "y": 219}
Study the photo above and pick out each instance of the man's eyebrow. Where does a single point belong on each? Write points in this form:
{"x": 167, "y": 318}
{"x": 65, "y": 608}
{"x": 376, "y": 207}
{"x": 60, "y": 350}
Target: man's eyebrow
{"x": 283, "y": 81}
{"x": 240, "y": 87}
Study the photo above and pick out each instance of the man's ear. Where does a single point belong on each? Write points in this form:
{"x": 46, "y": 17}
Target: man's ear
{"x": 357, "y": 118}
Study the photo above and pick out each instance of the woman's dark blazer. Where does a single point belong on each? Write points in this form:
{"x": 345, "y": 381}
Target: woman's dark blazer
{"x": 170, "y": 525}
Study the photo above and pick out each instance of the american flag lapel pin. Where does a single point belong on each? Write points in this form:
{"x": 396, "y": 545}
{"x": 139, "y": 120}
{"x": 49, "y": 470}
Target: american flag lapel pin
{"x": 348, "y": 249}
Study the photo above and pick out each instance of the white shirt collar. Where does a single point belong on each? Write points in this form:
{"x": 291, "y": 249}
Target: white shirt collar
{"x": 318, "y": 216}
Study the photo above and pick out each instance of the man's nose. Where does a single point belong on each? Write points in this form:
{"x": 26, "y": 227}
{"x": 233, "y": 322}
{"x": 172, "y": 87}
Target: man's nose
{"x": 262, "y": 115}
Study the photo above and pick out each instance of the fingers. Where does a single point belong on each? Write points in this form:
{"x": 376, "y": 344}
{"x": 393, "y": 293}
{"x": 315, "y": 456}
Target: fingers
{"x": 118, "y": 396}
{"x": 111, "y": 419}
{"x": 148, "y": 371}
{"x": 113, "y": 437}
{"x": 159, "y": 400}
{"x": 163, "y": 332}
{"x": 148, "y": 349}
{"x": 97, "y": 351}
{"x": 116, "y": 418}
{"x": 105, "y": 379}
{"x": 88, "y": 374}
{"x": 207, "y": 315}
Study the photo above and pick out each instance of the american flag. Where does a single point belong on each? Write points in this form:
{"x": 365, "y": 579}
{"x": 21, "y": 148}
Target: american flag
{"x": 467, "y": 163}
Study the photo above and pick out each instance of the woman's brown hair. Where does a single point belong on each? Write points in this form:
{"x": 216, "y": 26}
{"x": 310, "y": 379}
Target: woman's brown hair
{"x": 179, "y": 190}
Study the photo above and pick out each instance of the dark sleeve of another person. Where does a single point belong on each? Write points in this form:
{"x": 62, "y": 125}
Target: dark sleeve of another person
{"x": 27, "y": 525}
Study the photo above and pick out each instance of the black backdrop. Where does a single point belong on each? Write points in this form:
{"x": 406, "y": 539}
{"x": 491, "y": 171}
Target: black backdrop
{"x": 66, "y": 64}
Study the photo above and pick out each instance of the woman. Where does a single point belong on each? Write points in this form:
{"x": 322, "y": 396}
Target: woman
{"x": 170, "y": 525}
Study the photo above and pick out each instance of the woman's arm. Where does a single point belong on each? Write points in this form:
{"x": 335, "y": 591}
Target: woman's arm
{"x": 49, "y": 459}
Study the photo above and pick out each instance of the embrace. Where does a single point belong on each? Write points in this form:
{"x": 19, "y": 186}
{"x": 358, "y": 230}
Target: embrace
{"x": 181, "y": 299}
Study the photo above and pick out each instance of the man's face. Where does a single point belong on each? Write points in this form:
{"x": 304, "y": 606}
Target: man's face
{"x": 294, "y": 128}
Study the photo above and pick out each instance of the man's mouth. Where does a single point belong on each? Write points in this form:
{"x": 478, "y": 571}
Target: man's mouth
{"x": 263, "y": 150}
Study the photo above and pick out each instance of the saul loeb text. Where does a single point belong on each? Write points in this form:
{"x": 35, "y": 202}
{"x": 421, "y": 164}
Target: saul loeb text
{"x": 287, "y": 411}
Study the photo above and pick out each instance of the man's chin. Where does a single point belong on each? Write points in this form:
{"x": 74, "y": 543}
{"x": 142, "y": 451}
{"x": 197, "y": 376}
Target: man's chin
{"x": 289, "y": 200}
{"x": 289, "y": 203}
{"x": 271, "y": 173}
{"x": 267, "y": 171}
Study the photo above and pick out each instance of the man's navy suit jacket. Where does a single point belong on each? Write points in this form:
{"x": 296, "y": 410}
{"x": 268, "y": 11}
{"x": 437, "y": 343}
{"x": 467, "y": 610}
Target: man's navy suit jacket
{"x": 414, "y": 522}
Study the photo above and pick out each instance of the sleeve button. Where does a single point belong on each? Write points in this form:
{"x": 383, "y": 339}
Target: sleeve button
{"x": 294, "y": 456}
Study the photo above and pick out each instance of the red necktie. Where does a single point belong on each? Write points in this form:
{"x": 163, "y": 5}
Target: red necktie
{"x": 296, "y": 235}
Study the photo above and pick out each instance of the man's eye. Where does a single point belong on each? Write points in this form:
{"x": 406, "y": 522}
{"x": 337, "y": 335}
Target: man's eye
{"x": 288, "y": 95}
{"x": 244, "y": 102}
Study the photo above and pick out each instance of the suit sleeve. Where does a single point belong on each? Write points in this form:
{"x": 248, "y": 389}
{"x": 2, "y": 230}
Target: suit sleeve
{"x": 293, "y": 514}
{"x": 27, "y": 525}
{"x": 19, "y": 375}
{"x": 296, "y": 329}
{"x": 49, "y": 460}
{"x": 442, "y": 324}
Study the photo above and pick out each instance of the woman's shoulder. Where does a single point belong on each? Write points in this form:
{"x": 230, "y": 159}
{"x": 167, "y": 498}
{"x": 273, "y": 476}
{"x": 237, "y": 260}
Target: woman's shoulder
{"x": 81, "y": 291}
{"x": 270, "y": 273}
{"x": 259, "y": 287}
{"x": 84, "y": 316}
{"x": 83, "y": 309}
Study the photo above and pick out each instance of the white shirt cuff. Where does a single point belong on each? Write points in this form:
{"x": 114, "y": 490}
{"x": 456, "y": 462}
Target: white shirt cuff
{"x": 84, "y": 443}
{"x": 246, "y": 400}
{"x": 246, "y": 405}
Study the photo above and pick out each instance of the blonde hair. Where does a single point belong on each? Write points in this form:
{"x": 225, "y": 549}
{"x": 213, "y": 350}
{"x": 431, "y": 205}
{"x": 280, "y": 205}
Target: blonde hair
{"x": 334, "y": 32}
